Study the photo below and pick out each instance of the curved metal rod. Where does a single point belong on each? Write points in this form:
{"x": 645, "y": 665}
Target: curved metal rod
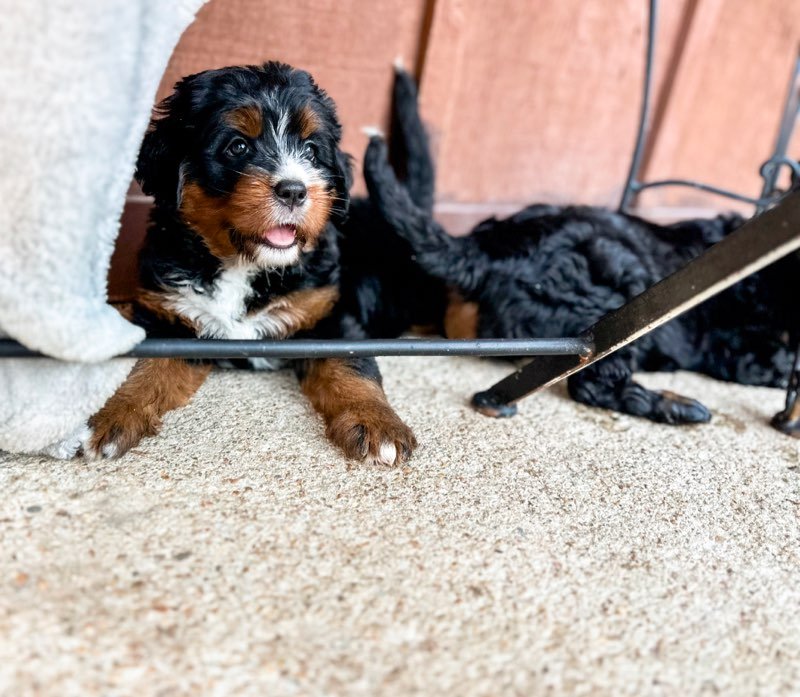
{"x": 769, "y": 169}
{"x": 769, "y": 173}
{"x": 639, "y": 186}
{"x": 779, "y": 160}
{"x": 762, "y": 202}
{"x": 631, "y": 189}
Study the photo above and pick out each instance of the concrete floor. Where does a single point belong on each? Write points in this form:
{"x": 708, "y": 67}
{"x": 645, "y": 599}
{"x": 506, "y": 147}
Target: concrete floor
{"x": 564, "y": 551}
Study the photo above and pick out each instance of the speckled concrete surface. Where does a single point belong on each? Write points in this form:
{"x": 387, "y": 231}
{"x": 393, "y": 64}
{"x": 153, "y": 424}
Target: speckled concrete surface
{"x": 565, "y": 551}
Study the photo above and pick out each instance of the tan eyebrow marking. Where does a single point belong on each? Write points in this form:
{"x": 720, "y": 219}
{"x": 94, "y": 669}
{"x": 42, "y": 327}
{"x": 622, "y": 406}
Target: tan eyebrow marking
{"x": 246, "y": 119}
{"x": 309, "y": 121}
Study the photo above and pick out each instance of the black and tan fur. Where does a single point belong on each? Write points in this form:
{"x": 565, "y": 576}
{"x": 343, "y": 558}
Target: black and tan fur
{"x": 250, "y": 238}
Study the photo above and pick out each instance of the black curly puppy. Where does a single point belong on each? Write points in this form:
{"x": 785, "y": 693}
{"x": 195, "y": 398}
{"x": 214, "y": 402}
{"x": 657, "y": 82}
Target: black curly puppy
{"x": 250, "y": 239}
{"x": 552, "y": 271}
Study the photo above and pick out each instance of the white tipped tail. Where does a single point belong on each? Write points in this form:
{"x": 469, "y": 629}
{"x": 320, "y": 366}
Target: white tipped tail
{"x": 373, "y": 132}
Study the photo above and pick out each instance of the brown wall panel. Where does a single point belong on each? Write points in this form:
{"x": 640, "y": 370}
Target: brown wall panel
{"x": 722, "y": 117}
{"x": 528, "y": 100}
{"x": 536, "y": 101}
{"x": 122, "y": 276}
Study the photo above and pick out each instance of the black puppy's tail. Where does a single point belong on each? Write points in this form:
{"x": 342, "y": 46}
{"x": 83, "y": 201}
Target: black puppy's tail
{"x": 454, "y": 260}
{"x": 410, "y": 148}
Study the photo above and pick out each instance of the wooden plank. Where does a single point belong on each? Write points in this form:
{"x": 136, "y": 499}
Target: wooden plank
{"x": 123, "y": 275}
{"x": 727, "y": 100}
{"x": 536, "y": 101}
{"x": 532, "y": 101}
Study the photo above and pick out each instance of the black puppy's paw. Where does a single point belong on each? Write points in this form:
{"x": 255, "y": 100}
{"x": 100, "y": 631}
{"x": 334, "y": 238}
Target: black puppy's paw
{"x": 488, "y": 404}
{"x": 671, "y": 408}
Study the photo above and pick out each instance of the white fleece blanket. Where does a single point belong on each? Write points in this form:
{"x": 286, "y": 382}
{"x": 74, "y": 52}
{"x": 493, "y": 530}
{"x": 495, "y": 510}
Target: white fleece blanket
{"x": 77, "y": 83}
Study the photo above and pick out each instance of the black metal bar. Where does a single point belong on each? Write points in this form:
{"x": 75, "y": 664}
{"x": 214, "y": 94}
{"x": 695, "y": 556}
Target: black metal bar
{"x": 335, "y": 348}
{"x": 787, "y": 420}
{"x": 759, "y": 242}
{"x": 644, "y": 115}
{"x": 791, "y": 108}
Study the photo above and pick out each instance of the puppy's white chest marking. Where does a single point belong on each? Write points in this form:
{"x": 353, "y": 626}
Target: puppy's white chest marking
{"x": 220, "y": 312}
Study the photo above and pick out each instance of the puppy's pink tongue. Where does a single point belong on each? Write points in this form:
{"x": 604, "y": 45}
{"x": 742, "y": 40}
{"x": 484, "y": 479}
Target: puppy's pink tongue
{"x": 282, "y": 236}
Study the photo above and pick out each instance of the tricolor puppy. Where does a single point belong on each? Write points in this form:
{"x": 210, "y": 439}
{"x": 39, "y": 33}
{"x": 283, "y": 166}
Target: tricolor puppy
{"x": 251, "y": 198}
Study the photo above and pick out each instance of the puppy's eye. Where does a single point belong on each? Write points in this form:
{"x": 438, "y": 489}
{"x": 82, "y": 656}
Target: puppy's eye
{"x": 236, "y": 148}
{"x": 310, "y": 152}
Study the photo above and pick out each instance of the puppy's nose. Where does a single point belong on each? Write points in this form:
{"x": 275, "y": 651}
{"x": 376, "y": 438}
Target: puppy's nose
{"x": 291, "y": 192}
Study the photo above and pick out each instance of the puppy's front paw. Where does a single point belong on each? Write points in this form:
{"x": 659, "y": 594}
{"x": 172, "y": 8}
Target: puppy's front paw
{"x": 674, "y": 408}
{"x": 114, "y": 434}
{"x": 373, "y": 433}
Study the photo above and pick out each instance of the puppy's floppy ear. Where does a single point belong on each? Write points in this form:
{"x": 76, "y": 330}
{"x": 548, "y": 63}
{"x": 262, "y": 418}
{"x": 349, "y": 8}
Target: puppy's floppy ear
{"x": 156, "y": 168}
{"x": 165, "y": 144}
{"x": 343, "y": 180}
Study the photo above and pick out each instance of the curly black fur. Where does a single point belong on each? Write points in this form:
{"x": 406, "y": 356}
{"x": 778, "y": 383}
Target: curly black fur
{"x": 551, "y": 271}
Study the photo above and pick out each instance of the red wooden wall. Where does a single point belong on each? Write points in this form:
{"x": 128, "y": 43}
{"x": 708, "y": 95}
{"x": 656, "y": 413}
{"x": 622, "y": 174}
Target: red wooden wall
{"x": 526, "y": 100}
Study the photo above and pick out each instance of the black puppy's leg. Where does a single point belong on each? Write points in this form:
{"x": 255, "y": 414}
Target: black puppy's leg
{"x": 609, "y": 384}
{"x": 456, "y": 261}
{"x": 411, "y": 153}
{"x": 752, "y": 356}
{"x": 348, "y": 394}
{"x": 788, "y": 420}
